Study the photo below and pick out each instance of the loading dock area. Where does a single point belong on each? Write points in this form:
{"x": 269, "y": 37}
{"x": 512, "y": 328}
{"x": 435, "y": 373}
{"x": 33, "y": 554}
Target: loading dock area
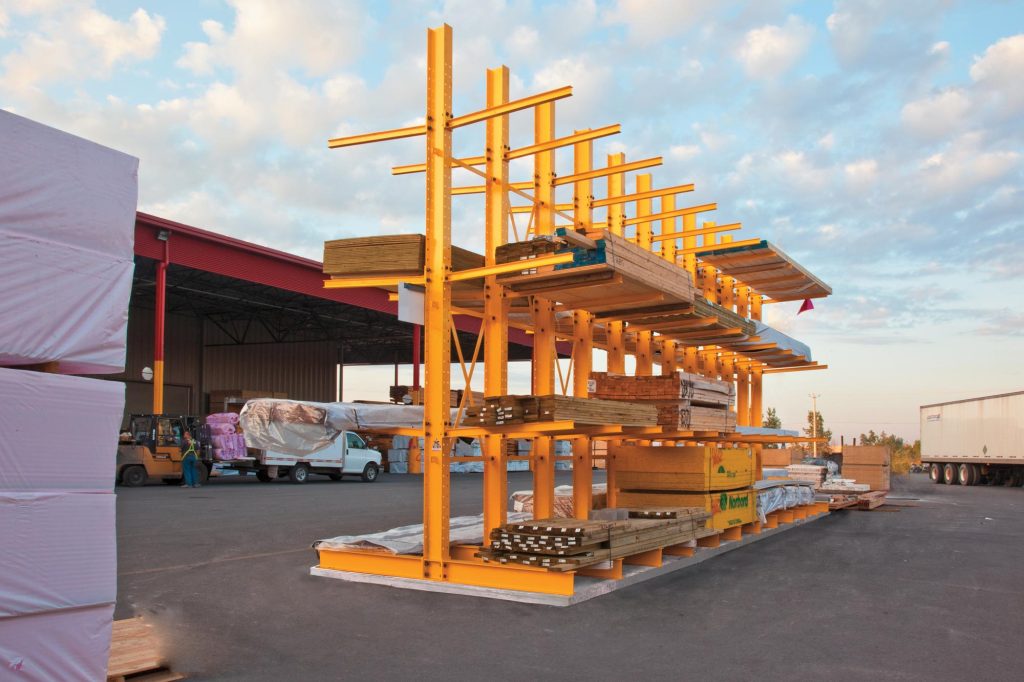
{"x": 853, "y": 596}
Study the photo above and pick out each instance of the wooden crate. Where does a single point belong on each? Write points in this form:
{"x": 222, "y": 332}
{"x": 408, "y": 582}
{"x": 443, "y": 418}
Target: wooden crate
{"x": 875, "y": 475}
{"x": 689, "y": 469}
{"x": 728, "y": 509}
{"x": 866, "y": 454}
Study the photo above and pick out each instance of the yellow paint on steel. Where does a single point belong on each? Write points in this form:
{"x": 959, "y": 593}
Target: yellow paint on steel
{"x": 742, "y": 368}
{"x": 575, "y": 138}
{"x": 503, "y": 268}
{"x": 510, "y": 577}
{"x": 437, "y": 304}
{"x": 703, "y": 208}
{"x": 799, "y": 368}
{"x": 668, "y": 192}
{"x": 481, "y": 189}
{"x": 411, "y": 168}
{"x": 544, "y": 356}
{"x": 669, "y": 357}
{"x": 602, "y": 172}
{"x": 158, "y": 387}
{"x": 538, "y": 100}
{"x": 366, "y": 138}
{"x": 717, "y": 228}
{"x": 496, "y": 305}
{"x": 372, "y": 563}
{"x": 531, "y": 208}
{"x": 361, "y": 282}
{"x": 644, "y": 339}
{"x": 583, "y": 340}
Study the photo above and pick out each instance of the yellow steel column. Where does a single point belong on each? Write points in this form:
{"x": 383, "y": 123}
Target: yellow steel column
{"x": 583, "y": 340}
{"x": 742, "y": 368}
{"x": 756, "y": 416}
{"x": 495, "y": 323}
{"x": 437, "y": 304}
{"x": 669, "y": 361}
{"x": 643, "y": 240}
{"x": 690, "y": 263}
{"x": 709, "y": 284}
{"x": 727, "y": 297}
{"x": 616, "y": 220}
{"x": 544, "y": 356}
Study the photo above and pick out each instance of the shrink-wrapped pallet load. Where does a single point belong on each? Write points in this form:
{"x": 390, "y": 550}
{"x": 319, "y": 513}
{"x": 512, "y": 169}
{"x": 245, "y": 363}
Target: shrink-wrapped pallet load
{"x": 67, "y": 225}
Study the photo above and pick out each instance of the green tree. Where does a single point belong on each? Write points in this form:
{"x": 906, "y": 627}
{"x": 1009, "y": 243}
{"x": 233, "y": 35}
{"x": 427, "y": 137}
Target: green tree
{"x": 816, "y": 428}
{"x": 771, "y": 420}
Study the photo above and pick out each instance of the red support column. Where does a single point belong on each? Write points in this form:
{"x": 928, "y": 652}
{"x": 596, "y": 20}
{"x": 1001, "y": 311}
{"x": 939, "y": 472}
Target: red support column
{"x": 158, "y": 328}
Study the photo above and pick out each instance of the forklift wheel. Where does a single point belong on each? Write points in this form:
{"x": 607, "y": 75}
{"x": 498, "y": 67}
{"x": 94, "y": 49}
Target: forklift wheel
{"x": 134, "y": 476}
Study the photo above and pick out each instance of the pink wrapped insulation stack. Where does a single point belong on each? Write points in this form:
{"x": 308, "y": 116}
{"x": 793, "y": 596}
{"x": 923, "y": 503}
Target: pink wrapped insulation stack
{"x": 222, "y": 418}
{"x": 221, "y": 429}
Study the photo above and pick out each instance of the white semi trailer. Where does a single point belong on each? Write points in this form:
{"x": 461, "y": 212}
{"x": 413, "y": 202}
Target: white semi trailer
{"x": 980, "y": 440}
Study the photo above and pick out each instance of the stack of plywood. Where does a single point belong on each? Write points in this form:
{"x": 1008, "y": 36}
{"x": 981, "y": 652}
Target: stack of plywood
{"x": 516, "y": 409}
{"x": 717, "y": 479}
{"x": 781, "y": 457}
{"x": 688, "y": 402}
{"x": 571, "y": 544}
{"x": 387, "y": 255}
{"x": 867, "y": 464}
{"x": 808, "y": 473}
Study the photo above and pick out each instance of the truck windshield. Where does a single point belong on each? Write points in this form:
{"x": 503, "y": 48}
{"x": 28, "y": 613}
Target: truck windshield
{"x": 353, "y": 441}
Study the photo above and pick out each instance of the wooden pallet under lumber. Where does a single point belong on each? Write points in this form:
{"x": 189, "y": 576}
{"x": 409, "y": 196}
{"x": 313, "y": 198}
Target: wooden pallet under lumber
{"x": 134, "y": 655}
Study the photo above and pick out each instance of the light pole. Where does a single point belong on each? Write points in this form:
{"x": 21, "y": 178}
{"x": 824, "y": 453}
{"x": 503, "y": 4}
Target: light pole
{"x": 814, "y": 422}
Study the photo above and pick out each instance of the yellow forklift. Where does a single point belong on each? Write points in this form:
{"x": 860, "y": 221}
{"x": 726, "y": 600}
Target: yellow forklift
{"x": 151, "y": 449}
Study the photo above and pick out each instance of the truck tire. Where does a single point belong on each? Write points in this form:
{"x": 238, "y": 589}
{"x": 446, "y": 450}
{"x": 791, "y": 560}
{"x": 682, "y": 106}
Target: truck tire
{"x": 935, "y": 473}
{"x": 1017, "y": 477}
{"x": 299, "y": 473}
{"x": 134, "y": 476}
{"x": 370, "y": 472}
{"x": 264, "y": 476}
{"x": 949, "y": 474}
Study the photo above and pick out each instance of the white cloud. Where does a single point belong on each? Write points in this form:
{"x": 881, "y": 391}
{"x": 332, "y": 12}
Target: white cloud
{"x": 938, "y": 114}
{"x": 77, "y": 39}
{"x": 769, "y": 51}
{"x": 939, "y": 48}
{"x": 684, "y": 152}
{"x": 652, "y": 20}
{"x": 523, "y": 40}
{"x": 861, "y": 174}
{"x": 965, "y": 164}
{"x": 800, "y": 171}
{"x": 999, "y": 70}
{"x": 827, "y": 141}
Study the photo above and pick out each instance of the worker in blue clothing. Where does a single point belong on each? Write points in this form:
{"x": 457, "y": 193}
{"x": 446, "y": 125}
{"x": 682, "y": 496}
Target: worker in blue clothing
{"x": 188, "y": 462}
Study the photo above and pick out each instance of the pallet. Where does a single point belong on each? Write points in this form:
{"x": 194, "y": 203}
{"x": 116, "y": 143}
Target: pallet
{"x": 134, "y": 655}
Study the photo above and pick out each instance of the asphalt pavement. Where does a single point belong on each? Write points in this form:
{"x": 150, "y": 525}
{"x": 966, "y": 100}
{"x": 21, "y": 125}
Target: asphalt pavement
{"x": 932, "y": 590}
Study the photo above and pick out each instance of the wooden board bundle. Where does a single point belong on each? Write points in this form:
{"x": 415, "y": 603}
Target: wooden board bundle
{"x": 867, "y": 455}
{"x": 692, "y": 389}
{"x": 728, "y": 509}
{"x": 874, "y": 475}
{"x": 808, "y": 473}
{"x": 516, "y": 409}
{"x": 564, "y": 505}
{"x": 720, "y": 419}
{"x": 616, "y": 268}
{"x": 781, "y": 457}
{"x": 685, "y": 469}
{"x": 134, "y": 654}
{"x": 397, "y": 254}
{"x": 538, "y": 246}
{"x": 571, "y": 544}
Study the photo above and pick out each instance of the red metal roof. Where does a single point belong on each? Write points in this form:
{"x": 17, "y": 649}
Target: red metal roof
{"x": 208, "y": 251}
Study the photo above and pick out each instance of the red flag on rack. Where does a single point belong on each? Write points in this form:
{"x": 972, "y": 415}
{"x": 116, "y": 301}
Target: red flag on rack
{"x": 805, "y": 306}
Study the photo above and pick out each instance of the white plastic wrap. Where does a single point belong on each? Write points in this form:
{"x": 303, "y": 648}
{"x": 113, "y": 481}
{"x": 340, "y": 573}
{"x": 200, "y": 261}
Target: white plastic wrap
{"x": 59, "y": 551}
{"x": 58, "y": 432}
{"x": 67, "y": 226}
{"x": 297, "y": 427}
{"x": 72, "y": 644}
{"x": 464, "y": 530}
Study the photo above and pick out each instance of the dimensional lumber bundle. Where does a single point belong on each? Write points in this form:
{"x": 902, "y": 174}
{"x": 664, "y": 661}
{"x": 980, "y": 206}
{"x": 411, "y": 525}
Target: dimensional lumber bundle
{"x": 780, "y": 457}
{"x": 397, "y": 254}
{"x": 695, "y": 418}
{"x": 622, "y": 267}
{"x": 808, "y": 473}
{"x": 728, "y": 509}
{"x": 692, "y": 389}
{"x": 517, "y": 409}
{"x": 571, "y": 544}
{"x": 684, "y": 469}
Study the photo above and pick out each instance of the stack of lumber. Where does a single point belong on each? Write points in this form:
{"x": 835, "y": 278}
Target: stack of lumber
{"x": 523, "y": 500}
{"x": 684, "y": 401}
{"x": 613, "y": 268}
{"x": 808, "y": 473}
{"x": 538, "y": 246}
{"x": 693, "y": 389}
{"x": 844, "y": 485}
{"x": 517, "y": 409}
{"x": 387, "y": 255}
{"x": 717, "y": 479}
{"x": 868, "y": 464}
{"x": 134, "y": 654}
{"x": 781, "y": 457}
{"x": 408, "y": 395}
{"x": 571, "y": 544}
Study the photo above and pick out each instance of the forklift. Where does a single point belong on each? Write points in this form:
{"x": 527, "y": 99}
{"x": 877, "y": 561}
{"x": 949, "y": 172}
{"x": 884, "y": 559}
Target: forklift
{"x": 151, "y": 449}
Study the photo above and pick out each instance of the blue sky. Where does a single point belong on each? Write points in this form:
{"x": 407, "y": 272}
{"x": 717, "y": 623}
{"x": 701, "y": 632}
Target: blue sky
{"x": 880, "y": 143}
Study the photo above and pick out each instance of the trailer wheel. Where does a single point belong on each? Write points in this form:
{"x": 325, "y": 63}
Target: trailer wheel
{"x": 370, "y": 473}
{"x": 264, "y": 476}
{"x": 299, "y": 473}
{"x": 995, "y": 476}
{"x": 949, "y": 474}
{"x": 935, "y": 473}
{"x": 134, "y": 476}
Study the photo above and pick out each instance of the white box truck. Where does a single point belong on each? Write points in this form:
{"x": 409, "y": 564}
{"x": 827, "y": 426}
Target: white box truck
{"x": 980, "y": 440}
{"x": 346, "y": 455}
